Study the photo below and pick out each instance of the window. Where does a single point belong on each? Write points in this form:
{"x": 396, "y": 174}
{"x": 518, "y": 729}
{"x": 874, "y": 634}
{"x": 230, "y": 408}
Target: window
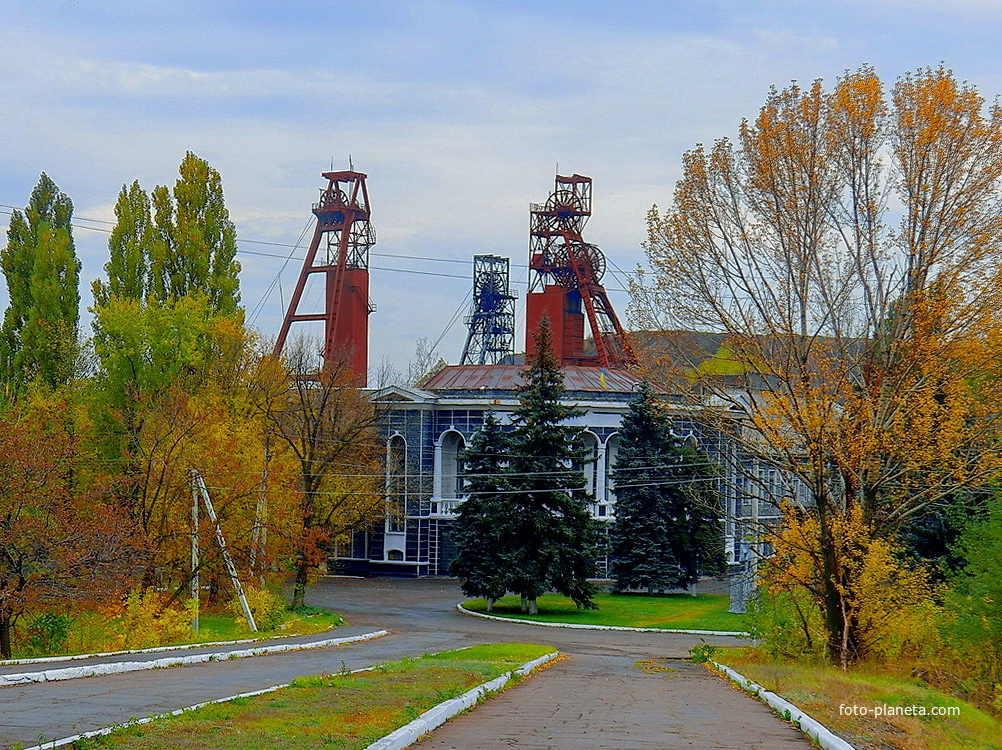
{"x": 611, "y": 454}
{"x": 452, "y": 467}
{"x": 396, "y": 483}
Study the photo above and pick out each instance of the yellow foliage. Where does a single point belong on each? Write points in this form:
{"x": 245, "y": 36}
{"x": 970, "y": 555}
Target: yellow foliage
{"x": 890, "y": 605}
{"x": 266, "y": 606}
{"x": 142, "y": 621}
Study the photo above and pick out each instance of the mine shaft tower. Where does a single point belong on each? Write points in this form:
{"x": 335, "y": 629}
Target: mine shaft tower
{"x": 339, "y": 251}
{"x": 565, "y": 281}
{"x": 491, "y": 322}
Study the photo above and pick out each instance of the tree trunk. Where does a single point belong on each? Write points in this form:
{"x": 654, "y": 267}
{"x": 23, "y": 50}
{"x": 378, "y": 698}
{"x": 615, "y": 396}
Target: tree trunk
{"x": 490, "y": 603}
{"x": 843, "y": 641}
{"x": 5, "y": 650}
{"x": 302, "y": 578}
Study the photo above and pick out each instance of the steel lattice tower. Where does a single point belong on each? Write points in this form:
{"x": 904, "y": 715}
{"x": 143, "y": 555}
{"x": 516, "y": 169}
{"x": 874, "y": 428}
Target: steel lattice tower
{"x": 340, "y": 251}
{"x": 565, "y": 280}
{"x": 491, "y": 321}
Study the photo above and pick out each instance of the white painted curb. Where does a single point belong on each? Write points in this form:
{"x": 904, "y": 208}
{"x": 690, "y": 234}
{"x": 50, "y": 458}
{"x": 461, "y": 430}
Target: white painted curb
{"x": 177, "y": 712}
{"x": 435, "y": 717}
{"x": 577, "y": 626}
{"x": 71, "y": 673}
{"x": 814, "y": 729}
{"x": 154, "y": 650}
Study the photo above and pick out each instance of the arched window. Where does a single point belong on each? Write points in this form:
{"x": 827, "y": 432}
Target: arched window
{"x": 396, "y": 483}
{"x": 611, "y": 455}
{"x": 453, "y": 444}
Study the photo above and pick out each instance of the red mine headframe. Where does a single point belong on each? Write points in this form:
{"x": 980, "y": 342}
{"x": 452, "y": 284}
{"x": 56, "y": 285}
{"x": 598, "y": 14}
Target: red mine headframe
{"x": 341, "y": 239}
{"x": 565, "y": 276}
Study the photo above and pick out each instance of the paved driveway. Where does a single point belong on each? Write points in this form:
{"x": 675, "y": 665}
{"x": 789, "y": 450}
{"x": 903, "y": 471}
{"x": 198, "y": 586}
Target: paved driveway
{"x": 600, "y": 678}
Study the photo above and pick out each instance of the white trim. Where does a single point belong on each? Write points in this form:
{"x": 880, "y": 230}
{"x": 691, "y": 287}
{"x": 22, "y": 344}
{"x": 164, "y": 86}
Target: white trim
{"x": 118, "y": 667}
{"x": 814, "y": 729}
{"x": 436, "y": 716}
{"x": 578, "y": 626}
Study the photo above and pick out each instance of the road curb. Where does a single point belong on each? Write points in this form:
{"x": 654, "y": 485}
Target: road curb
{"x": 577, "y": 626}
{"x": 810, "y": 726}
{"x": 436, "y": 716}
{"x": 72, "y": 673}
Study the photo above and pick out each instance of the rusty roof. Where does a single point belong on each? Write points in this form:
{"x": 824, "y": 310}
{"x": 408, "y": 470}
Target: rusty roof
{"x": 509, "y": 377}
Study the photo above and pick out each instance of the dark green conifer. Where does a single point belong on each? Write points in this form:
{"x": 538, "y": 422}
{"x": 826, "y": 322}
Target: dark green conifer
{"x": 479, "y": 530}
{"x": 553, "y": 536}
{"x": 667, "y": 528}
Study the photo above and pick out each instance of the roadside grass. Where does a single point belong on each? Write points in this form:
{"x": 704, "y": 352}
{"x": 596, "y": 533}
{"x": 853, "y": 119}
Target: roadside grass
{"x": 820, "y": 690}
{"x": 92, "y": 632}
{"x": 700, "y": 612}
{"x": 340, "y": 710}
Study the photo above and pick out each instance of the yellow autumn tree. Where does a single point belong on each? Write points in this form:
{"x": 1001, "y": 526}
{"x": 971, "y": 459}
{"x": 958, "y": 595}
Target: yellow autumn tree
{"x": 326, "y": 426}
{"x": 847, "y": 249}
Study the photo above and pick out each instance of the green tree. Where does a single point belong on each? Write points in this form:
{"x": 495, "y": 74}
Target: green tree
{"x": 129, "y": 245}
{"x": 552, "y": 537}
{"x": 481, "y": 526}
{"x": 976, "y": 601}
{"x": 38, "y": 337}
{"x": 667, "y": 528}
{"x": 194, "y": 242}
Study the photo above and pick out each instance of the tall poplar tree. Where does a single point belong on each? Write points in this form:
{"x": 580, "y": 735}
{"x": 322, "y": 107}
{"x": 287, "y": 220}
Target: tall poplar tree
{"x": 194, "y": 243}
{"x": 129, "y": 246}
{"x": 38, "y": 337}
{"x": 552, "y": 539}
{"x": 481, "y": 528}
{"x": 667, "y": 528}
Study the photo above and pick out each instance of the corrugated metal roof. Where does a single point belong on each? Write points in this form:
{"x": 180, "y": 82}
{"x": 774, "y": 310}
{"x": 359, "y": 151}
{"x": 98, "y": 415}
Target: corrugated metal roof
{"x": 509, "y": 377}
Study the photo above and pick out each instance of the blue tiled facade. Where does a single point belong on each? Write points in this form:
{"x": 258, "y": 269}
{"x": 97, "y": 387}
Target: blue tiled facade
{"x": 426, "y": 427}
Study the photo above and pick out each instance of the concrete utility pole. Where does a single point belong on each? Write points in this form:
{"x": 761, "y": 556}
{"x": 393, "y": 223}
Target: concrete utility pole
{"x": 199, "y": 484}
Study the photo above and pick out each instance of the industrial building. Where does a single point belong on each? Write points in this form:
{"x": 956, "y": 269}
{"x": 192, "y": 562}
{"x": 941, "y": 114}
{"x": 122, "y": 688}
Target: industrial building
{"x": 426, "y": 426}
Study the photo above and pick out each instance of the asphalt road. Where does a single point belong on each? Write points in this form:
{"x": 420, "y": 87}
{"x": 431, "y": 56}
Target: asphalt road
{"x": 421, "y": 617}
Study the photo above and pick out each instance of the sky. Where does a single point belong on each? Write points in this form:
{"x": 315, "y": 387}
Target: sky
{"x": 459, "y": 112}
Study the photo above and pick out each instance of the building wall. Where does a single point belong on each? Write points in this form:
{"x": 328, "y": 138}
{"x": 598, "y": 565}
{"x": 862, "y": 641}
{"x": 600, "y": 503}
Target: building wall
{"x": 435, "y": 426}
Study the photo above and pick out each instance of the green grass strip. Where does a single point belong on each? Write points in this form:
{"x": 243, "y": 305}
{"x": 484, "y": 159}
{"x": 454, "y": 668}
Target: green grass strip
{"x": 668, "y": 611}
{"x": 341, "y": 710}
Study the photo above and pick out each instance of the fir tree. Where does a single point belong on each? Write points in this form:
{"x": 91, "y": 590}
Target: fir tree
{"x": 480, "y": 529}
{"x": 38, "y": 337}
{"x": 667, "y": 527}
{"x": 552, "y": 537}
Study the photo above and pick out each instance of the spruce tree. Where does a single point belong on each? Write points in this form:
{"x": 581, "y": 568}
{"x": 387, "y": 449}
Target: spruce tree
{"x": 38, "y": 336}
{"x": 667, "y": 528}
{"x": 552, "y": 536}
{"x": 480, "y": 529}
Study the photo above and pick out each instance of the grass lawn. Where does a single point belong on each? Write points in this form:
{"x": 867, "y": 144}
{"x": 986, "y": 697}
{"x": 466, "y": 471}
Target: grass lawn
{"x": 700, "y": 612}
{"x": 90, "y": 633}
{"x": 821, "y": 690}
{"x": 328, "y": 710}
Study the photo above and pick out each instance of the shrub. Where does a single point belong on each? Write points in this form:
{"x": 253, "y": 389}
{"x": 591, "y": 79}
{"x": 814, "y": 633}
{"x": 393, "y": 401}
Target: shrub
{"x": 145, "y": 621}
{"x": 890, "y": 603}
{"x": 48, "y": 633}
{"x": 266, "y": 606}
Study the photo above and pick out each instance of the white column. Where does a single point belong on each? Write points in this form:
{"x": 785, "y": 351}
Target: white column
{"x": 436, "y": 477}
{"x": 600, "y": 475}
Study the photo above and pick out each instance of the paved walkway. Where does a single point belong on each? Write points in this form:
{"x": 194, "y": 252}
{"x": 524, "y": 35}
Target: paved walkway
{"x": 596, "y": 696}
{"x": 606, "y": 702}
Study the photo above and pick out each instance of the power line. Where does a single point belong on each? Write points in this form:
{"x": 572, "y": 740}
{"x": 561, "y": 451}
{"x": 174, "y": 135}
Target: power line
{"x": 8, "y": 210}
